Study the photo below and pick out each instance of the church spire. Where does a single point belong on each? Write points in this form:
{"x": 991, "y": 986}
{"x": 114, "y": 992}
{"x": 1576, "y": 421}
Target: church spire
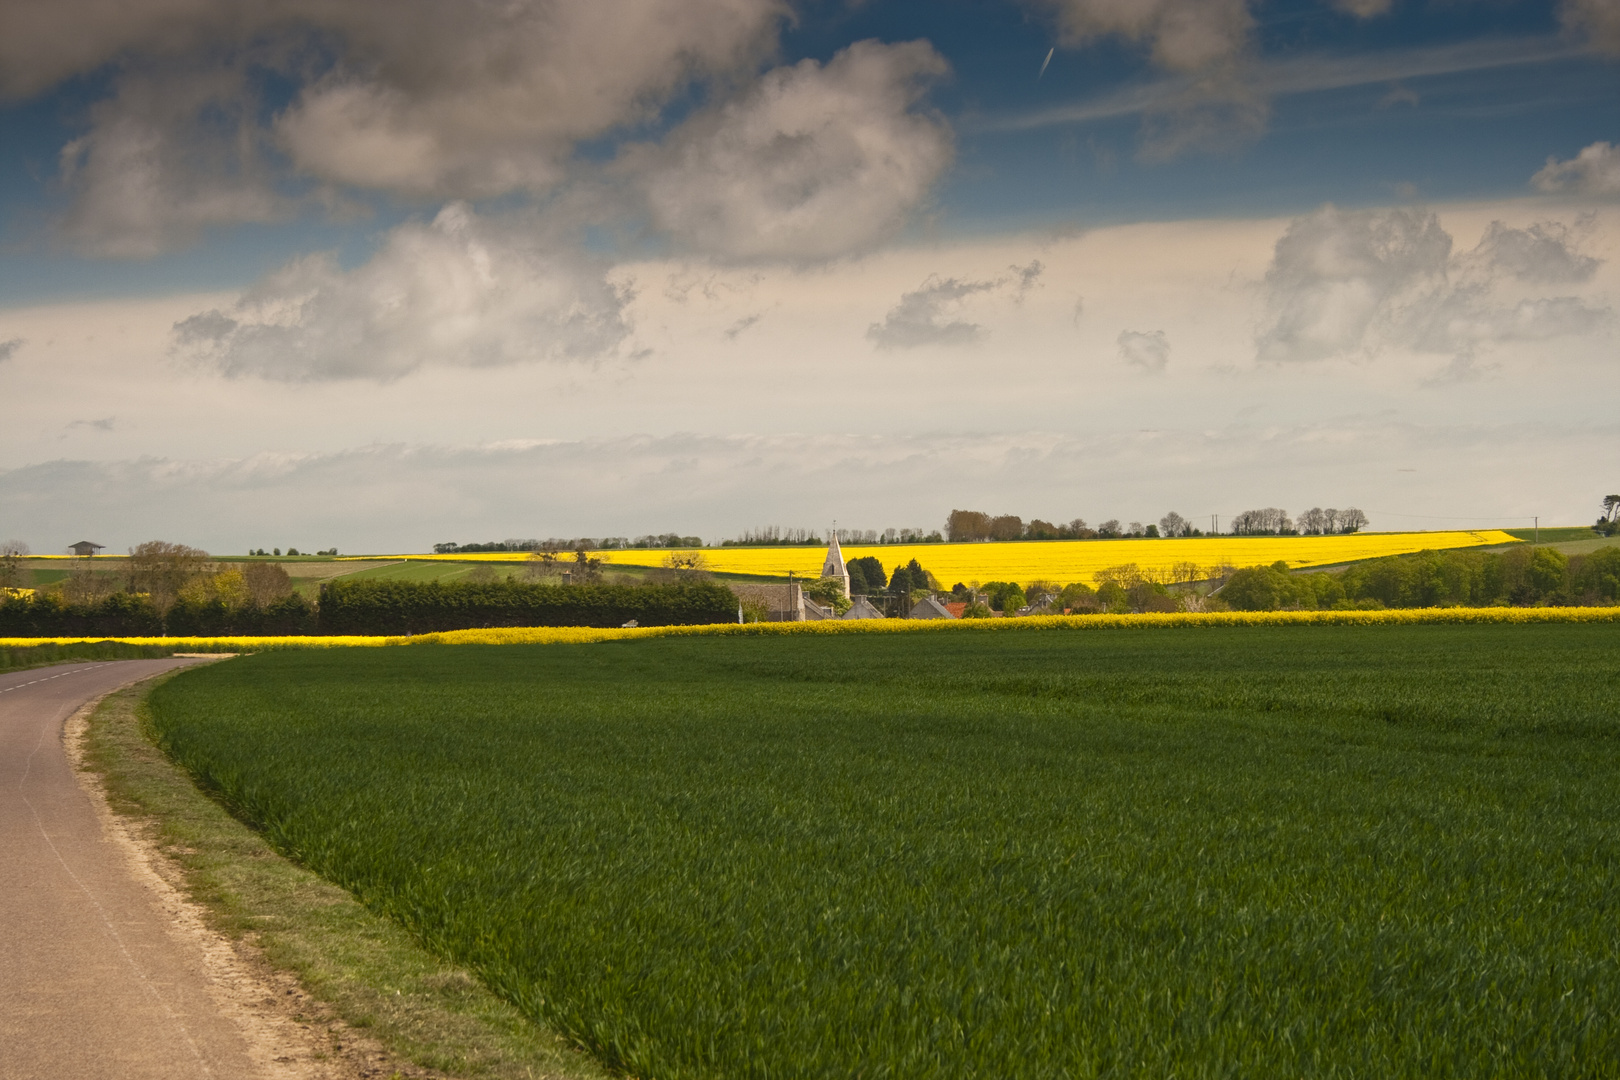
{"x": 834, "y": 566}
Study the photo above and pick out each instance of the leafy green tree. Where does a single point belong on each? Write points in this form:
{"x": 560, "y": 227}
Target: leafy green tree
{"x": 1041, "y": 592}
{"x": 1257, "y": 588}
{"x": 829, "y": 592}
{"x": 1005, "y": 595}
{"x": 908, "y": 579}
{"x": 866, "y": 575}
{"x": 1595, "y": 578}
{"x": 1549, "y": 569}
{"x": 1078, "y": 597}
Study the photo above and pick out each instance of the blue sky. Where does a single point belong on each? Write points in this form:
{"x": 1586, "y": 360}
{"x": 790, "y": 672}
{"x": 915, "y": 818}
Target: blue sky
{"x": 229, "y": 208}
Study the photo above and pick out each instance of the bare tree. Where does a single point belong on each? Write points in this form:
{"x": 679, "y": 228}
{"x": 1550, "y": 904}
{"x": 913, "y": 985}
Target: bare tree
{"x": 267, "y": 583}
{"x": 1314, "y": 522}
{"x": 1006, "y": 527}
{"x": 1267, "y": 522}
{"x": 967, "y": 525}
{"x": 1173, "y": 525}
{"x": 83, "y": 585}
{"x": 682, "y": 567}
{"x": 1109, "y": 529}
{"x": 12, "y": 553}
{"x": 1185, "y": 572}
{"x": 1124, "y": 575}
{"x": 585, "y": 569}
{"x": 161, "y": 569}
{"x": 1352, "y": 520}
{"x": 1611, "y": 507}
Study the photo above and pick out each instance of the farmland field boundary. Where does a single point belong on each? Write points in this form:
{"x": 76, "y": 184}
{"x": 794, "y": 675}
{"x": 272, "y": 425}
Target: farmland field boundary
{"x": 349, "y": 963}
{"x": 567, "y": 635}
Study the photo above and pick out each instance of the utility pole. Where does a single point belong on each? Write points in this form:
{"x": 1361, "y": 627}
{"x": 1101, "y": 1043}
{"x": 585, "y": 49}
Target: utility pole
{"x": 1538, "y": 533}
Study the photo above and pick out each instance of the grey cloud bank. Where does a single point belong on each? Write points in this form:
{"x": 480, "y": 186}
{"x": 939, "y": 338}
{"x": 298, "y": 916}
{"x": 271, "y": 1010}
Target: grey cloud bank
{"x": 391, "y": 498}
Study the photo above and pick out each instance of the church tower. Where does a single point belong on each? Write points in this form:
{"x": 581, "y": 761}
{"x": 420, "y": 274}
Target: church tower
{"x": 834, "y": 566}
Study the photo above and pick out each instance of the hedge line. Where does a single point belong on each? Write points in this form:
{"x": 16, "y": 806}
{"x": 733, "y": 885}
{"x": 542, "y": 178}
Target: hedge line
{"x": 375, "y": 607}
{"x": 405, "y": 607}
{"x": 14, "y": 658}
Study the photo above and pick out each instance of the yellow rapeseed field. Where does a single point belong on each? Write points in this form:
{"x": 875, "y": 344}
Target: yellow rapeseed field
{"x": 1062, "y": 561}
{"x": 566, "y": 635}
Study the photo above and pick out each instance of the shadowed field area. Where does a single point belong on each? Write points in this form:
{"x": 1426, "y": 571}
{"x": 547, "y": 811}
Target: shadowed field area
{"x": 1296, "y": 850}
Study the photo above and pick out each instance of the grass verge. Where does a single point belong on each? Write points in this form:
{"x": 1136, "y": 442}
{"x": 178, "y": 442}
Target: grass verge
{"x": 25, "y": 657}
{"x": 365, "y": 967}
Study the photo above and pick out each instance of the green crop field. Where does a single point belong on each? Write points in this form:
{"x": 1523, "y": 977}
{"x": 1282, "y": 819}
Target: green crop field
{"x": 1286, "y": 851}
{"x": 1554, "y": 534}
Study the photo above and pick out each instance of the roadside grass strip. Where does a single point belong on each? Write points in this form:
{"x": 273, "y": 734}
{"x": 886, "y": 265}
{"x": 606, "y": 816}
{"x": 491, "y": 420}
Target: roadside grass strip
{"x": 1392, "y": 850}
{"x": 566, "y": 635}
{"x": 425, "y": 1010}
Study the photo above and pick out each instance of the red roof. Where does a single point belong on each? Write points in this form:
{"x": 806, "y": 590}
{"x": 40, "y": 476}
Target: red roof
{"x": 956, "y": 609}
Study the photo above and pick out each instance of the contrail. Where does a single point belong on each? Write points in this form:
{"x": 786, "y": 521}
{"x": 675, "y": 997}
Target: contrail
{"x": 1048, "y": 60}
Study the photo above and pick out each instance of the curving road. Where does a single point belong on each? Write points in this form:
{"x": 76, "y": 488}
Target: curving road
{"x": 92, "y": 981}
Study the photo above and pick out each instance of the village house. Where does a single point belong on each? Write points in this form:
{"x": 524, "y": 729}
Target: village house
{"x": 787, "y": 602}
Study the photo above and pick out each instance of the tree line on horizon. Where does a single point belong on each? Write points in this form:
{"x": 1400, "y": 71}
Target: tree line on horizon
{"x": 974, "y": 525}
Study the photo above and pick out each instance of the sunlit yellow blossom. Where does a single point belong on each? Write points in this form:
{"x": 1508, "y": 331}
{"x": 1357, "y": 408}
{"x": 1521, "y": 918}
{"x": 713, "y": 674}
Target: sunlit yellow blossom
{"x": 564, "y": 635}
{"x": 1052, "y": 560}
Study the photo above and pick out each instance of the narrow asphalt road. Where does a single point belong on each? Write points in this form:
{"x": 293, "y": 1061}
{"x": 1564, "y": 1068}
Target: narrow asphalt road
{"x": 92, "y": 981}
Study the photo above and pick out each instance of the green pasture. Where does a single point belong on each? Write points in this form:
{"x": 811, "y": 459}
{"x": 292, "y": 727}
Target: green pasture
{"x": 1583, "y": 547}
{"x": 1554, "y": 534}
{"x": 425, "y": 570}
{"x": 1282, "y": 851}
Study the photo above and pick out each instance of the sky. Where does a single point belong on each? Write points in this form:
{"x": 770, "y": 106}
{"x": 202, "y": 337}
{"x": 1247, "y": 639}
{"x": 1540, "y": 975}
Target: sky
{"x": 324, "y": 273}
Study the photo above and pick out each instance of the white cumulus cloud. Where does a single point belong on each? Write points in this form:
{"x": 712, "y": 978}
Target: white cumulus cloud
{"x": 813, "y": 162}
{"x": 462, "y": 290}
{"x": 1594, "y": 171}
{"x": 1345, "y": 283}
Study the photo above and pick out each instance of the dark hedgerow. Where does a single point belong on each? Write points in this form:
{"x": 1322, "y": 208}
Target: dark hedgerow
{"x": 287, "y": 616}
{"x": 48, "y": 615}
{"x": 375, "y": 607}
{"x": 408, "y": 607}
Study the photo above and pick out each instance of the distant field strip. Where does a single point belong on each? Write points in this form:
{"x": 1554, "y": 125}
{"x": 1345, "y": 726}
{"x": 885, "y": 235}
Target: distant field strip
{"x": 1063, "y": 561}
{"x": 564, "y": 635}
{"x": 1384, "y": 851}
